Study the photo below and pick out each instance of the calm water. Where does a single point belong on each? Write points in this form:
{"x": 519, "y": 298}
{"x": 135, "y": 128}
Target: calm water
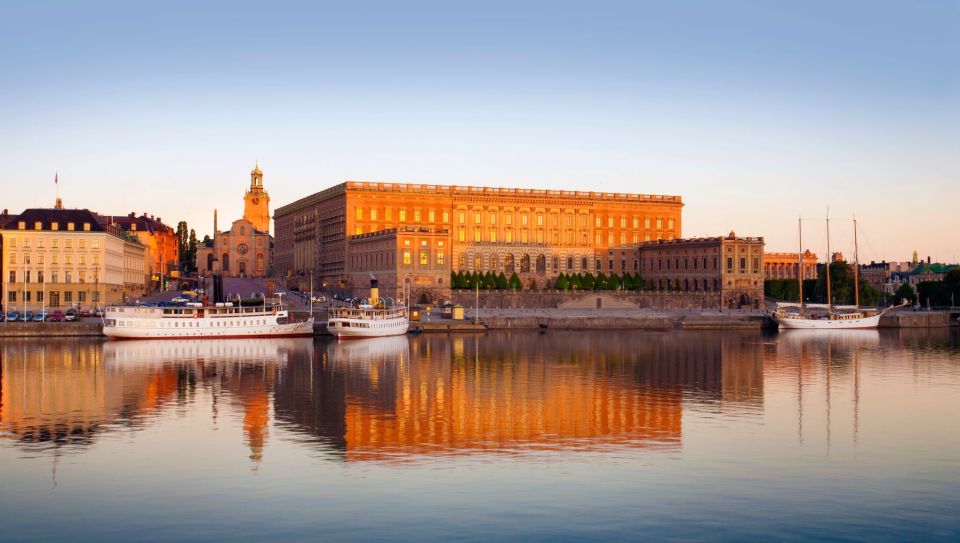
{"x": 603, "y": 436}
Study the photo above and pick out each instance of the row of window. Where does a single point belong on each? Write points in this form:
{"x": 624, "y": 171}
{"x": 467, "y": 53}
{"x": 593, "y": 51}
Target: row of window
{"x": 55, "y": 259}
{"x": 26, "y": 243}
{"x": 38, "y": 225}
{"x": 525, "y": 219}
{"x": 27, "y": 276}
{"x": 698, "y": 264}
{"x": 29, "y": 297}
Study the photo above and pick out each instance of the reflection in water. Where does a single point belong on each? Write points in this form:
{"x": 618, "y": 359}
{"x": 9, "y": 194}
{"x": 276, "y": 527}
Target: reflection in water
{"x": 392, "y": 398}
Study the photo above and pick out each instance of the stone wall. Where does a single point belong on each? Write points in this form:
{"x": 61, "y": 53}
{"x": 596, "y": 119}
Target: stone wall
{"x": 587, "y": 300}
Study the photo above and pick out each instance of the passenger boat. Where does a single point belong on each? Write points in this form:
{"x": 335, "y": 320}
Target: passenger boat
{"x": 222, "y": 320}
{"x": 367, "y": 320}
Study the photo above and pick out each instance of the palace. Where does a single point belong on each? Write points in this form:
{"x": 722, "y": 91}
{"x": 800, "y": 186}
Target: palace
{"x": 420, "y": 233}
{"x": 787, "y": 265}
{"x": 245, "y": 250}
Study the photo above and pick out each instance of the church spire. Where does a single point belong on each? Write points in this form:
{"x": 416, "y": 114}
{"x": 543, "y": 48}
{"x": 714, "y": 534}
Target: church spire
{"x": 256, "y": 178}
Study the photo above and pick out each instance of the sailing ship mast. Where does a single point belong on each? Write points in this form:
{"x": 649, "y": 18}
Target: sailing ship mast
{"x": 800, "y": 261}
{"x": 829, "y": 261}
{"x": 856, "y": 266}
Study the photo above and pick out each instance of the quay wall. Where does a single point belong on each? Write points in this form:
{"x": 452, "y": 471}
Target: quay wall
{"x": 50, "y": 329}
{"x": 505, "y": 299}
{"x": 915, "y": 319}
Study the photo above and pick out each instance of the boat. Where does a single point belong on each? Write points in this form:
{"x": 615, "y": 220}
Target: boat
{"x": 368, "y": 318}
{"x": 196, "y": 320}
{"x": 833, "y": 317}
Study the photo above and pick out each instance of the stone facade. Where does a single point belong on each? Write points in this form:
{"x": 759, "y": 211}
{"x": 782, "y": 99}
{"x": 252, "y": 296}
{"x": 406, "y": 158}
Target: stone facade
{"x": 786, "y": 265}
{"x": 878, "y": 274}
{"x": 731, "y": 266}
{"x": 160, "y": 240}
{"x": 406, "y": 259}
{"x": 246, "y": 249}
{"x": 535, "y": 233}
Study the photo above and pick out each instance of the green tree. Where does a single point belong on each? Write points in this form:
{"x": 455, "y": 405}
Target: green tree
{"x": 626, "y": 282}
{"x": 576, "y": 282}
{"x": 183, "y": 242}
{"x": 489, "y": 281}
{"x": 533, "y": 285}
{"x": 613, "y": 283}
{"x": 905, "y": 292}
{"x": 502, "y": 282}
{"x": 587, "y": 282}
{"x": 600, "y": 282}
{"x": 453, "y": 280}
{"x": 562, "y": 282}
{"x": 515, "y": 282}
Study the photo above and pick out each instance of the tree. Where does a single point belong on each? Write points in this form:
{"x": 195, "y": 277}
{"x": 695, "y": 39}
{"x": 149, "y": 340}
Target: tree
{"x": 534, "y": 285}
{"x": 190, "y": 263}
{"x": 453, "y": 280}
{"x": 626, "y": 282}
{"x": 576, "y": 282}
{"x": 905, "y": 292}
{"x": 183, "y": 242}
{"x": 562, "y": 282}
{"x": 489, "y": 281}
{"x": 515, "y": 282}
{"x": 587, "y": 282}
{"x": 502, "y": 282}
{"x": 613, "y": 283}
{"x": 600, "y": 283}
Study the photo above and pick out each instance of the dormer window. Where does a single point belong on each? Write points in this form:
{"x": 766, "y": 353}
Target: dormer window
{"x": 70, "y": 226}
{"x": 54, "y": 226}
{"x": 133, "y": 227}
{"x": 22, "y": 225}
{"x": 86, "y": 227}
{"x": 38, "y": 225}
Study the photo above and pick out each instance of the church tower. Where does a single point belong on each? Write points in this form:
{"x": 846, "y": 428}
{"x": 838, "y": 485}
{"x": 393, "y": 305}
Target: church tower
{"x": 256, "y": 203}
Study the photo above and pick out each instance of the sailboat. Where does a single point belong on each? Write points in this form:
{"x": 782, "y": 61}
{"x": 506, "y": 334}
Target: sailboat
{"x": 834, "y": 318}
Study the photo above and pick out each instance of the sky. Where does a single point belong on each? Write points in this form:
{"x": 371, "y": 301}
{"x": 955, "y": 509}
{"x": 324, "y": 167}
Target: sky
{"x": 756, "y": 113}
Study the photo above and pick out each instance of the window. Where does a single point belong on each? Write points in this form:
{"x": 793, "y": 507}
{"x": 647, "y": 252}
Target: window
{"x": 68, "y": 277}
{"x": 68, "y": 244}
{"x": 38, "y": 225}
{"x": 743, "y": 264}
{"x": 359, "y": 213}
{"x": 569, "y": 221}
{"x": 86, "y": 227}
{"x": 523, "y": 236}
{"x": 70, "y": 226}
{"x": 539, "y": 220}
{"x": 424, "y": 258}
{"x": 83, "y": 260}
{"x": 509, "y": 218}
{"x": 440, "y": 258}
{"x": 756, "y": 265}
{"x": 659, "y": 224}
{"x": 609, "y": 222}
{"x": 54, "y": 226}
{"x": 670, "y": 224}
{"x": 40, "y": 258}
{"x": 358, "y": 230}
{"x": 493, "y": 218}
{"x": 508, "y": 236}
{"x": 598, "y": 222}
{"x": 493, "y": 235}
{"x": 403, "y": 215}
{"x": 82, "y": 296}
{"x": 416, "y": 216}
{"x": 729, "y": 264}
{"x": 476, "y": 234}
{"x": 13, "y": 258}
{"x": 68, "y": 296}
{"x": 26, "y": 258}
{"x": 11, "y": 296}
{"x": 56, "y": 243}
{"x": 646, "y": 223}
{"x": 13, "y": 243}
{"x": 462, "y": 217}
{"x": 373, "y": 214}
{"x": 26, "y": 243}
{"x": 96, "y": 296}
{"x": 55, "y": 277}
{"x": 446, "y": 216}
{"x": 539, "y": 236}
{"x": 82, "y": 243}
{"x": 21, "y": 225}
{"x": 599, "y": 238}
{"x": 476, "y": 217}
{"x": 13, "y": 276}
{"x": 524, "y": 219}
{"x": 462, "y": 235}
{"x": 431, "y": 216}
{"x": 636, "y": 222}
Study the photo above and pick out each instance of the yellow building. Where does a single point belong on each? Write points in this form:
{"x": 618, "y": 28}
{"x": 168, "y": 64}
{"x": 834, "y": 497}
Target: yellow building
{"x": 535, "y": 233}
{"x": 68, "y": 258}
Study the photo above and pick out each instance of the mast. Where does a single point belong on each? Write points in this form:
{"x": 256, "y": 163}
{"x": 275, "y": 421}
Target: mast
{"x": 800, "y": 260}
{"x": 829, "y": 261}
{"x": 856, "y": 266}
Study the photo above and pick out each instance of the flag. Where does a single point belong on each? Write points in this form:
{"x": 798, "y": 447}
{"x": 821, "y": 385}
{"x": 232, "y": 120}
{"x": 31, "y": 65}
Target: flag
{"x": 56, "y": 178}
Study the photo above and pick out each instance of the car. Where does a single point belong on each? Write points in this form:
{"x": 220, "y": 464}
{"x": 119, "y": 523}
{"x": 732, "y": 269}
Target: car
{"x": 180, "y": 300}
{"x": 27, "y": 316}
{"x": 55, "y": 316}
{"x": 13, "y": 316}
{"x": 39, "y": 317}
{"x": 97, "y": 312}
{"x": 70, "y": 315}
{"x": 84, "y": 312}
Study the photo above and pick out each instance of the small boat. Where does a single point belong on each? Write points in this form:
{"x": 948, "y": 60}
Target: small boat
{"x": 367, "y": 320}
{"x": 196, "y": 320}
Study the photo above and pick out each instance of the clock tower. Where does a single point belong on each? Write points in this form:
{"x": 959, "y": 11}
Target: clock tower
{"x": 256, "y": 203}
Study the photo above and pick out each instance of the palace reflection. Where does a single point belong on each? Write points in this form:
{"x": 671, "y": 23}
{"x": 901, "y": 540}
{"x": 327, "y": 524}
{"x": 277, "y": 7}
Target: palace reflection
{"x": 392, "y": 399}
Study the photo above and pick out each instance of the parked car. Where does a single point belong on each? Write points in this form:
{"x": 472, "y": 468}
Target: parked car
{"x": 27, "y": 316}
{"x": 55, "y": 316}
{"x": 13, "y": 316}
{"x": 70, "y": 315}
{"x": 84, "y": 312}
{"x": 39, "y": 317}
{"x": 180, "y": 300}
{"x": 97, "y": 312}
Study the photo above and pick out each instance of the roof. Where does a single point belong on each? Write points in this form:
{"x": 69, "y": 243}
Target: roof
{"x": 46, "y": 218}
{"x": 933, "y": 268}
{"x": 144, "y": 223}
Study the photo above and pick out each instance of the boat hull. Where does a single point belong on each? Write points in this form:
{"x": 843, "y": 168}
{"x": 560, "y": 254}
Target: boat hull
{"x": 828, "y": 324}
{"x": 287, "y": 330}
{"x": 362, "y": 329}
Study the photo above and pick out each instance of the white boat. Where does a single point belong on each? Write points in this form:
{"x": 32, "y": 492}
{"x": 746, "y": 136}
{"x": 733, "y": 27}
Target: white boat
{"x": 833, "y": 317}
{"x": 367, "y": 320}
{"x": 223, "y": 320}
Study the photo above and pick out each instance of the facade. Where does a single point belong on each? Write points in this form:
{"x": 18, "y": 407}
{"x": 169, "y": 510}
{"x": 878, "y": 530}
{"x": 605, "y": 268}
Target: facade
{"x": 160, "y": 240}
{"x": 786, "y": 265}
{"x": 731, "y": 265}
{"x": 246, "y": 249}
{"x": 929, "y": 272}
{"x": 69, "y": 258}
{"x": 535, "y": 233}
{"x": 409, "y": 257}
{"x": 878, "y": 274}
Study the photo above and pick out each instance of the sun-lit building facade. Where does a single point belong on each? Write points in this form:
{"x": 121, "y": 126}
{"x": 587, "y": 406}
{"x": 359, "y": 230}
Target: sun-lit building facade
{"x": 787, "y": 265}
{"x": 533, "y": 232}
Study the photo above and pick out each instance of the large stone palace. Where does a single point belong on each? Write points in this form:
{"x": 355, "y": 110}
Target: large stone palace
{"x": 417, "y": 234}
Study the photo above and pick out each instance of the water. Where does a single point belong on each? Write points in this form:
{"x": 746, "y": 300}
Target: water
{"x": 508, "y": 435}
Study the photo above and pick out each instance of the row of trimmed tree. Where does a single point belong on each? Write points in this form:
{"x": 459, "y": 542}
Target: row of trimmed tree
{"x": 576, "y": 281}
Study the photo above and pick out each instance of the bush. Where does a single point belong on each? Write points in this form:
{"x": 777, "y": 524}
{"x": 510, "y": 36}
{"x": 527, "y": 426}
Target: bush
{"x": 515, "y": 283}
{"x": 562, "y": 282}
{"x": 502, "y": 283}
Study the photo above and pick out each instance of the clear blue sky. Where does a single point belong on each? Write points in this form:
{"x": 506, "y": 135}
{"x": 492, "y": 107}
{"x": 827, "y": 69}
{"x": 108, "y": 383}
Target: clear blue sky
{"x": 754, "y": 112}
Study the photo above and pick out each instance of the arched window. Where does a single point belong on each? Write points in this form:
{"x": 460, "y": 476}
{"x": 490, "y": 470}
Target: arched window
{"x": 583, "y": 263}
{"x": 525, "y": 264}
{"x": 260, "y": 268}
{"x": 494, "y": 264}
{"x": 210, "y": 262}
{"x": 556, "y": 263}
{"x": 541, "y": 264}
{"x": 508, "y": 265}
{"x": 569, "y": 263}
{"x": 477, "y": 261}
{"x": 225, "y": 262}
